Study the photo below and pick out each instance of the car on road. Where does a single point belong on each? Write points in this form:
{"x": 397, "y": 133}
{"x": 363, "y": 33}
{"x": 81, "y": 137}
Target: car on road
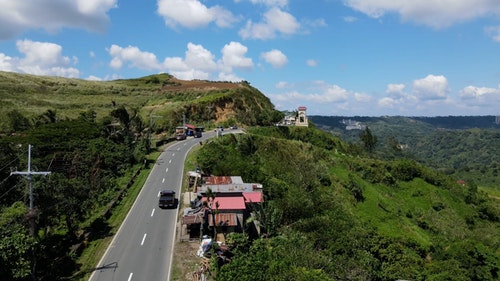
{"x": 167, "y": 199}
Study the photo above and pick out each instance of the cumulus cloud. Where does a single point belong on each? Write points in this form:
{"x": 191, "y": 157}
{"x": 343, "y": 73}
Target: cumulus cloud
{"x": 431, "y": 87}
{"x": 132, "y": 56}
{"x": 437, "y": 14}
{"x": 53, "y": 15}
{"x": 396, "y": 90}
{"x": 198, "y": 62}
{"x": 40, "y": 58}
{"x": 474, "y": 96}
{"x": 275, "y": 57}
{"x": 233, "y": 56}
{"x": 193, "y": 14}
{"x": 275, "y": 21}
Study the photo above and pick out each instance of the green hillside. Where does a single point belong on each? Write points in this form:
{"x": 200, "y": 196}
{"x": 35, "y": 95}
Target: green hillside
{"x": 465, "y": 147}
{"x": 333, "y": 215}
{"x": 332, "y": 210}
{"x": 162, "y": 96}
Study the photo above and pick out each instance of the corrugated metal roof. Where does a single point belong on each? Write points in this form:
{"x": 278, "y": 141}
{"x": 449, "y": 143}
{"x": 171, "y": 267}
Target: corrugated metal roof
{"x": 229, "y": 203}
{"x": 192, "y": 219}
{"x": 253, "y": 197}
{"x": 228, "y": 219}
{"x": 223, "y": 180}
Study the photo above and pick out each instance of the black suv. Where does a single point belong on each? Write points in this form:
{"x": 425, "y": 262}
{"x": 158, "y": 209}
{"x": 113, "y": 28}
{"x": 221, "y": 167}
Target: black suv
{"x": 167, "y": 199}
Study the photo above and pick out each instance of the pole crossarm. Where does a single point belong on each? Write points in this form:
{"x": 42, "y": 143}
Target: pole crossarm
{"x": 29, "y": 175}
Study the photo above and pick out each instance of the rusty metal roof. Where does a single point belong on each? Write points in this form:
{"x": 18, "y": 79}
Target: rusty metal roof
{"x": 227, "y": 219}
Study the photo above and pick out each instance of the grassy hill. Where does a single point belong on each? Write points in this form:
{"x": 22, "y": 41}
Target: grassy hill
{"x": 202, "y": 102}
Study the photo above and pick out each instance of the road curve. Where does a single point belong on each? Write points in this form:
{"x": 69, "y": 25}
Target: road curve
{"x": 142, "y": 249}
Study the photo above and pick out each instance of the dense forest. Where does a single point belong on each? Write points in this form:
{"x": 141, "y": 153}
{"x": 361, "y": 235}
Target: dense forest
{"x": 334, "y": 209}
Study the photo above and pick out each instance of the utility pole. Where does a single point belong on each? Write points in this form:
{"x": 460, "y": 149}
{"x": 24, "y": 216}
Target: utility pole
{"x": 29, "y": 175}
{"x": 151, "y": 116}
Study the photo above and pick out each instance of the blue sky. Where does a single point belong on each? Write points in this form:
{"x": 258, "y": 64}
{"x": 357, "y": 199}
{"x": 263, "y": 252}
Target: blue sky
{"x": 336, "y": 57}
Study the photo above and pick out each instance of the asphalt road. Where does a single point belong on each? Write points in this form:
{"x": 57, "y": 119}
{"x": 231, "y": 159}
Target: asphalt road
{"x": 142, "y": 249}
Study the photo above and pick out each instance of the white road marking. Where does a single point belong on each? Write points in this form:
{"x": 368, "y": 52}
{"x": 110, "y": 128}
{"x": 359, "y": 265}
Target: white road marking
{"x": 173, "y": 154}
{"x": 166, "y": 170}
{"x": 170, "y": 161}
{"x": 153, "y": 212}
{"x": 130, "y": 276}
{"x": 159, "y": 192}
{"x": 143, "y": 239}
{"x": 163, "y": 180}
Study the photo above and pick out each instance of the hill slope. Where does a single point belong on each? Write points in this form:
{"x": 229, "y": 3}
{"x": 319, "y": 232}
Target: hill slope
{"x": 162, "y": 95}
{"x": 466, "y": 147}
{"x": 332, "y": 215}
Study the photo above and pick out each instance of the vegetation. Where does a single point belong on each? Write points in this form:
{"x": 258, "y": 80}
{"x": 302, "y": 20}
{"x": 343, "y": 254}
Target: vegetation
{"x": 333, "y": 210}
{"x": 330, "y": 215}
{"x": 464, "y": 147}
{"x": 94, "y": 138}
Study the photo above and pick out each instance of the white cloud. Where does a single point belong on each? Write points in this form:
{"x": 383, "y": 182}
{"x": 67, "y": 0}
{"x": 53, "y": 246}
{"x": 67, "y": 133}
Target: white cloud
{"x": 275, "y": 57}
{"x": 233, "y": 56}
{"x": 93, "y": 78}
{"x": 40, "y": 58}
{"x": 275, "y": 21}
{"x": 493, "y": 32}
{"x": 193, "y": 14}
{"x": 437, "y": 14}
{"x": 312, "y": 63}
{"x": 134, "y": 57}
{"x": 281, "y": 85}
{"x": 272, "y": 3}
{"x": 53, "y": 15}
{"x": 198, "y": 62}
{"x": 431, "y": 88}
{"x": 474, "y": 96}
{"x": 396, "y": 90}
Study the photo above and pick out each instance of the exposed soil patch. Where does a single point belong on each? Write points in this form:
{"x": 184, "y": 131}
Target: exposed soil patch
{"x": 200, "y": 85}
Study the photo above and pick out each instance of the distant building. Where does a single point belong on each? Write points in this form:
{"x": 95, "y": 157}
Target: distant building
{"x": 352, "y": 124}
{"x": 296, "y": 120}
{"x": 302, "y": 117}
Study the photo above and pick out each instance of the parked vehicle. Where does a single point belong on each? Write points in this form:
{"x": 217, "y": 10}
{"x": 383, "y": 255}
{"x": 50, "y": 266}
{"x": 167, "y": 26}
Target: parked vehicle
{"x": 167, "y": 199}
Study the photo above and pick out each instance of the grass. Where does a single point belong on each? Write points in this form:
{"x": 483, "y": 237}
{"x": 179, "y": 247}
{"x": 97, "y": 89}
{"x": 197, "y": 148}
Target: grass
{"x": 95, "y": 249}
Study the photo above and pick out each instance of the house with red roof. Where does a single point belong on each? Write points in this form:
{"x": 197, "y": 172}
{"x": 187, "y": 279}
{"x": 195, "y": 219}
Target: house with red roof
{"x": 224, "y": 202}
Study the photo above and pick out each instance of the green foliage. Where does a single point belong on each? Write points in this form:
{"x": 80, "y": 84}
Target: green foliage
{"x": 369, "y": 219}
{"x": 368, "y": 139}
{"x": 16, "y": 245}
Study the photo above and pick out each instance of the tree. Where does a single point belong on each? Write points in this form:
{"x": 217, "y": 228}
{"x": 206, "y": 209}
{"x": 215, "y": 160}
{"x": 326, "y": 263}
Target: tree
{"x": 16, "y": 244}
{"x": 368, "y": 139}
{"x": 17, "y": 121}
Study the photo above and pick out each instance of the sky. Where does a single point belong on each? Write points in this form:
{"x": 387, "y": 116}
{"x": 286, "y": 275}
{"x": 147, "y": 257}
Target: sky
{"x": 336, "y": 57}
